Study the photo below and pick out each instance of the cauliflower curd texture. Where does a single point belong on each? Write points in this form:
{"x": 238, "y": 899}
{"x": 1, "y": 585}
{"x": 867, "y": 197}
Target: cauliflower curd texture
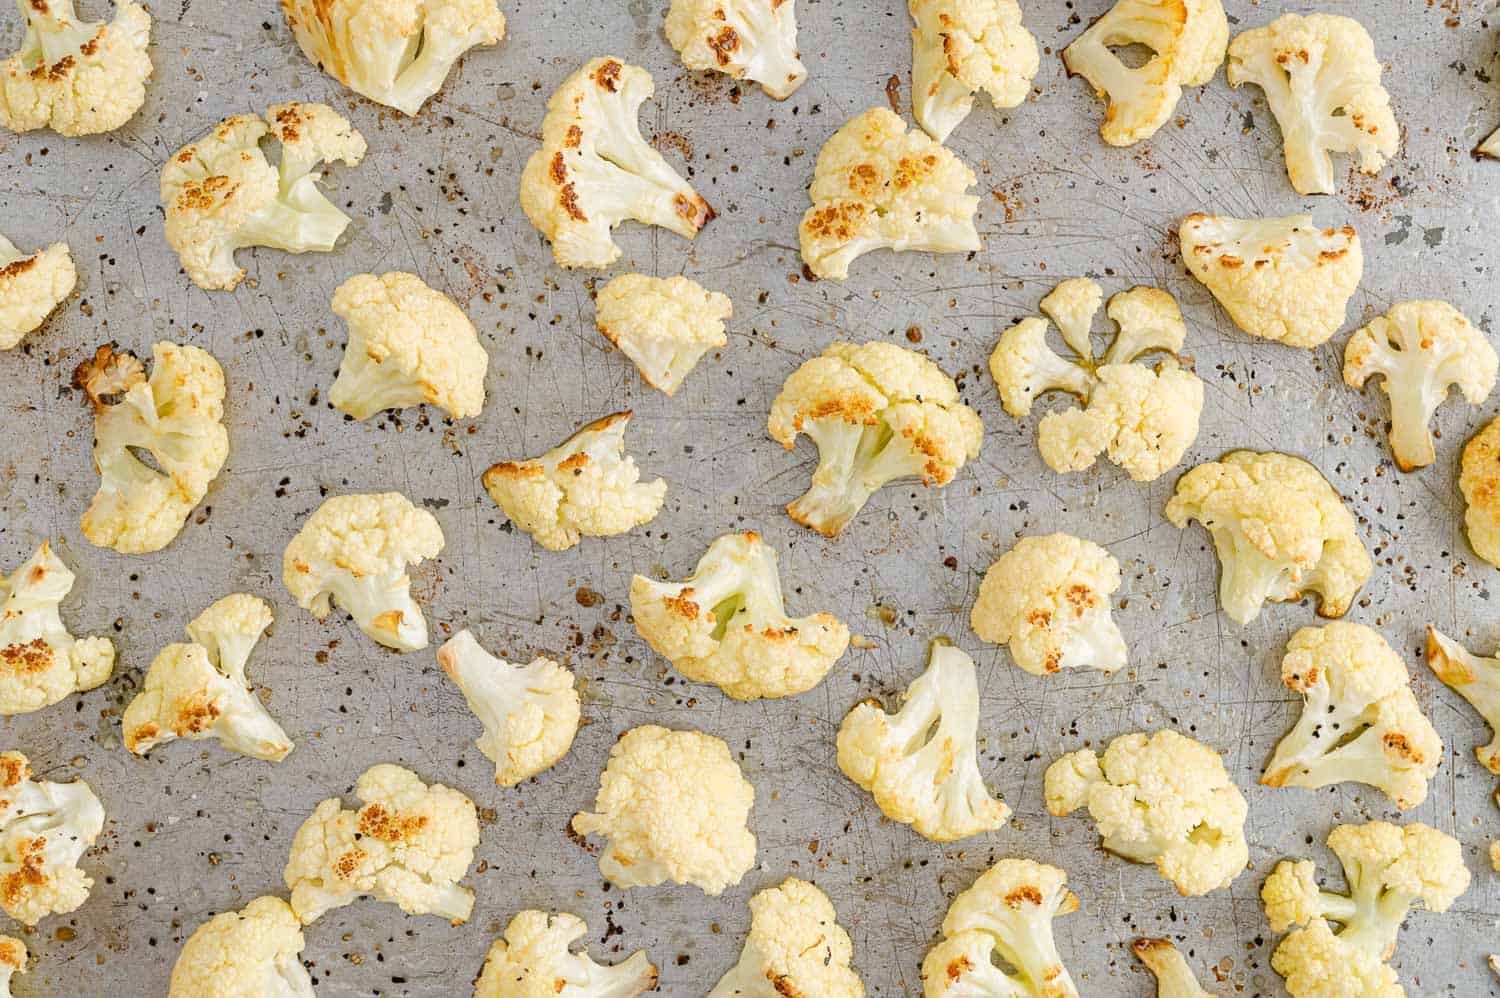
{"x": 533, "y": 960}
{"x": 752, "y": 40}
{"x": 251, "y": 953}
{"x": 796, "y": 948}
{"x": 962, "y": 46}
{"x": 45, "y": 828}
{"x": 32, "y": 285}
{"x": 1479, "y": 481}
{"x": 664, "y": 326}
{"x": 40, "y": 662}
{"x": 76, "y": 77}
{"x": 1174, "y": 978}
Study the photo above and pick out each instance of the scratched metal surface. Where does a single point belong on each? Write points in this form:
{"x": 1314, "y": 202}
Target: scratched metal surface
{"x": 194, "y": 830}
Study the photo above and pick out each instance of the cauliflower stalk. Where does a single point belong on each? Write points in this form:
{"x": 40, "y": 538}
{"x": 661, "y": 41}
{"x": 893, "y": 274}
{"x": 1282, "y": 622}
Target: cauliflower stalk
{"x": 752, "y": 40}
{"x": 796, "y": 947}
{"x": 44, "y": 829}
{"x": 40, "y": 662}
{"x": 32, "y": 285}
{"x": 533, "y": 960}
{"x": 76, "y": 77}
{"x": 252, "y": 953}
{"x": 1475, "y": 679}
{"x": 962, "y": 46}
{"x": 1479, "y": 481}
{"x": 13, "y": 957}
{"x": 1174, "y": 978}
{"x": 664, "y": 326}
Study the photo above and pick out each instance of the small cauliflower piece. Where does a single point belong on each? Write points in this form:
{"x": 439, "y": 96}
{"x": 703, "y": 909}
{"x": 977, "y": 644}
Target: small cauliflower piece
{"x": 1479, "y": 481}
{"x": 1048, "y": 599}
{"x": 878, "y": 186}
{"x": 251, "y": 953}
{"x": 1321, "y": 78}
{"x": 1280, "y": 531}
{"x": 962, "y": 46}
{"x": 176, "y": 416}
{"x": 40, "y": 662}
{"x": 664, "y": 326}
{"x": 44, "y": 829}
{"x": 13, "y": 958}
{"x": 672, "y": 805}
{"x": 32, "y": 285}
{"x": 1475, "y": 679}
{"x": 220, "y": 195}
{"x": 796, "y": 947}
{"x": 356, "y": 549}
{"x": 533, "y": 960}
{"x": 586, "y": 486}
{"x": 726, "y": 624}
{"x": 752, "y": 40}
{"x": 76, "y": 77}
{"x": 409, "y": 844}
{"x": 1174, "y": 978}
{"x": 1490, "y": 148}
{"x": 529, "y": 712}
{"x": 1420, "y": 349}
{"x": 921, "y": 763}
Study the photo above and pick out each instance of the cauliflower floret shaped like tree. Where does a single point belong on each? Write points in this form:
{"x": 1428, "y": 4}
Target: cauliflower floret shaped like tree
{"x": 1420, "y": 349}
{"x": 1280, "y": 531}
{"x": 176, "y": 416}
{"x": 594, "y": 170}
{"x": 13, "y": 957}
{"x": 1174, "y": 978}
{"x": 672, "y": 805}
{"x": 1006, "y": 916}
{"x": 664, "y": 326}
{"x": 409, "y": 844}
{"x": 1281, "y": 279}
{"x": 796, "y": 947}
{"x": 251, "y": 953}
{"x": 1475, "y": 679}
{"x": 1360, "y": 722}
{"x": 877, "y": 413}
{"x": 395, "y": 52}
{"x": 1048, "y": 599}
{"x": 32, "y": 285}
{"x": 1159, "y": 798}
{"x": 726, "y": 624}
{"x": 752, "y": 40}
{"x": 220, "y": 194}
{"x": 533, "y": 960}
{"x": 586, "y": 486}
{"x": 1321, "y": 78}
{"x": 962, "y": 46}
{"x": 1187, "y": 39}
{"x": 76, "y": 77}
{"x": 44, "y": 829}
{"x": 878, "y": 186}
{"x": 40, "y": 662}
{"x": 356, "y": 549}
{"x": 529, "y": 712}
{"x": 921, "y": 763}
{"x": 1479, "y": 481}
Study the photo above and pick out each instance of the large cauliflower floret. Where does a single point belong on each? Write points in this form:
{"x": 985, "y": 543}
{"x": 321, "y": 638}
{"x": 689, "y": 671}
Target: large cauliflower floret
{"x": 1420, "y": 349}
{"x": 1160, "y": 798}
{"x": 40, "y": 662}
{"x": 532, "y": 960}
{"x": 409, "y": 844}
{"x": 176, "y": 416}
{"x": 1174, "y": 978}
{"x": 356, "y": 549}
{"x": 1006, "y": 916}
{"x": 76, "y": 77}
{"x": 922, "y": 763}
{"x": 796, "y": 947}
{"x": 395, "y": 52}
{"x": 961, "y": 46}
{"x": 726, "y": 624}
{"x": 32, "y": 285}
{"x": 1187, "y": 39}
{"x": 878, "y": 186}
{"x": 44, "y": 829}
{"x": 1360, "y": 722}
{"x": 664, "y": 326}
{"x": 529, "y": 712}
{"x": 1479, "y": 481}
{"x": 752, "y": 40}
{"x": 877, "y": 413}
{"x": 13, "y": 957}
{"x": 251, "y": 953}
{"x": 221, "y": 195}
{"x": 1321, "y": 78}
{"x": 594, "y": 170}
{"x": 1280, "y": 531}
{"x": 1282, "y": 279}
{"x": 1475, "y": 679}
{"x": 672, "y": 805}
{"x": 1048, "y": 599}
{"x": 586, "y": 486}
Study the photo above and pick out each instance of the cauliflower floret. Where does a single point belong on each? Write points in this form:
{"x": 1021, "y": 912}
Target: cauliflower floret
{"x": 586, "y": 486}
{"x": 252, "y": 953}
{"x": 961, "y": 46}
{"x": 532, "y": 960}
{"x": 395, "y": 52}
{"x": 1008, "y": 915}
{"x": 1174, "y": 978}
{"x": 1187, "y": 39}
{"x": 878, "y": 186}
{"x": 1048, "y": 599}
{"x": 1420, "y": 349}
{"x": 13, "y": 957}
{"x": 1475, "y": 679}
{"x": 76, "y": 77}
{"x": 664, "y": 326}
{"x": 672, "y": 805}
{"x": 1321, "y": 78}
{"x": 726, "y": 624}
{"x": 44, "y": 829}
{"x": 877, "y": 413}
{"x": 31, "y": 287}
{"x": 1282, "y": 279}
{"x": 1479, "y": 481}
{"x": 40, "y": 662}
{"x": 1316, "y": 964}
{"x": 796, "y": 947}
{"x": 409, "y": 844}
{"x": 177, "y": 417}
{"x": 529, "y": 712}
{"x": 922, "y": 763}
{"x": 1280, "y": 531}
{"x": 1160, "y": 798}
{"x": 221, "y": 195}
{"x": 752, "y": 40}
{"x": 356, "y": 549}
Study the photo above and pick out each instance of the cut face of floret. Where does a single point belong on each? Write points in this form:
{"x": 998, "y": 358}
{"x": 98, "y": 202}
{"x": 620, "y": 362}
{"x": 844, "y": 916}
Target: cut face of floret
{"x": 44, "y": 829}
{"x": 726, "y": 624}
{"x": 76, "y": 77}
{"x": 253, "y": 953}
{"x": 1475, "y": 679}
{"x": 796, "y": 947}
{"x": 1174, "y": 978}
{"x": 664, "y": 326}
{"x": 40, "y": 662}
{"x": 533, "y": 960}
{"x": 32, "y": 285}
{"x": 961, "y": 46}
{"x": 752, "y": 40}
{"x": 1479, "y": 481}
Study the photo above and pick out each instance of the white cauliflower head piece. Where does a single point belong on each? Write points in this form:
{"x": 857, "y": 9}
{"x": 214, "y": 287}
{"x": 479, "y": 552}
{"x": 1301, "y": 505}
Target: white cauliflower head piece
{"x": 1475, "y": 679}
{"x": 752, "y": 40}
{"x": 1479, "y": 481}
{"x": 44, "y": 829}
{"x": 40, "y": 662}
{"x": 252, "y": 953}
{"x": 533, "y": 960}
{"x": 72, "y": 76}
{"x": 32, "y": 285}
{"x": 13, "y": 958}
{"x": 959, "y": 47}
{"x": 1174, "y": 978}
{"x": 796, "y": 947}
{"x": 664, "y": 326}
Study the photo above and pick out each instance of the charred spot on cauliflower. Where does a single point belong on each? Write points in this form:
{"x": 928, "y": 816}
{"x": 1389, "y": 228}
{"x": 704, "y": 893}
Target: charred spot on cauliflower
{"x": 72, "y": 76}
{"x": 752, "y": 40}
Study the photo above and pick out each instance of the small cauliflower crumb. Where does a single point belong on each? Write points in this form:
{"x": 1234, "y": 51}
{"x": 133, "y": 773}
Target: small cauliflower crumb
{"x": 664, "y": 326}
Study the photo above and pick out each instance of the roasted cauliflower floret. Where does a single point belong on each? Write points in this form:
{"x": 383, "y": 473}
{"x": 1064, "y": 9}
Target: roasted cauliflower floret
{"x": 533, "y": 960}
{"x": 13, "y": 958}
{"x": 1479, "y": 481}
{"x": 796, "y": 947}
{"x": 40, "y": 662}
{"x": 1174, "y": 978}
{"x": 1490, "y": 148}
{"x": 962, "y": 46}
{"x": 1475, "y": 679}
{"x": 752, "y": 40}
{"x": 252, "y": 953}
{"x": 664, "y": 326}
{"x": 44, "y": 829}
{"x": 32, "y": 285}
{"x": 76, "y": 77}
